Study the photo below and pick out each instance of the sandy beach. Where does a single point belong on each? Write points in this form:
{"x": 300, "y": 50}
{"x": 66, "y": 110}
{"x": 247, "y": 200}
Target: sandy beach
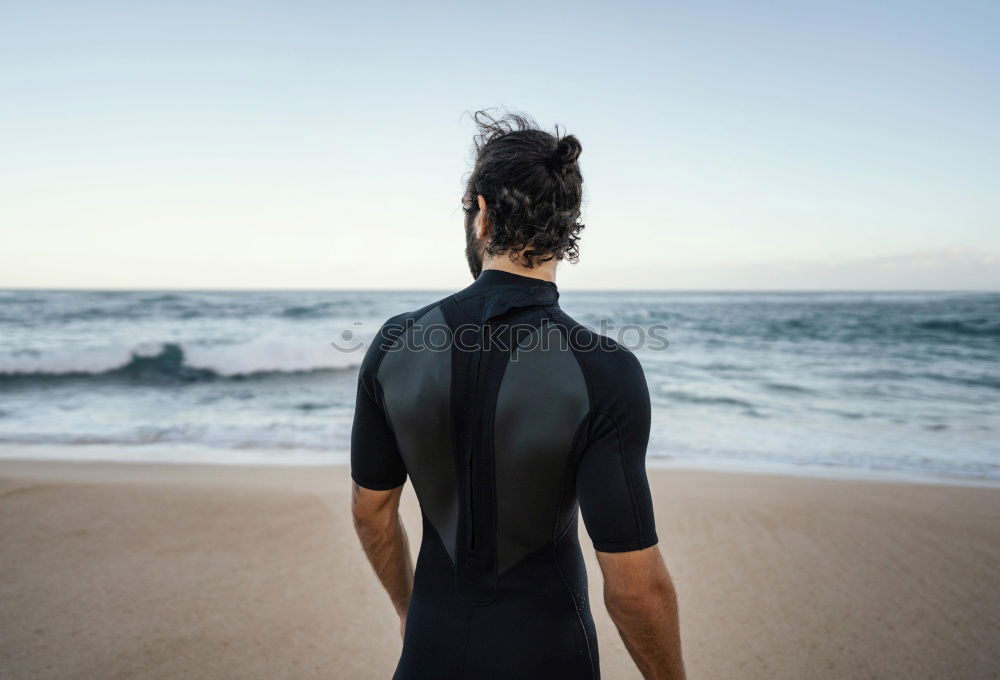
{"x": 167, "y": 571}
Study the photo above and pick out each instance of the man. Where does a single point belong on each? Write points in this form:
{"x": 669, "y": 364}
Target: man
{"x": 507, "y": 416}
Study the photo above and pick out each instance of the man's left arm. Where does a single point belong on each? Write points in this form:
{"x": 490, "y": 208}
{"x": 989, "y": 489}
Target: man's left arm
{"x": 378, "y": 476}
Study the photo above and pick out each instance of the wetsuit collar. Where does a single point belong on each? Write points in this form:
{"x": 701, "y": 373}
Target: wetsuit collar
{"x": 503, "y": 291}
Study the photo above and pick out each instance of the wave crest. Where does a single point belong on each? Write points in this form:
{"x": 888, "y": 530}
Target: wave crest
{"x": 173, "y": 362}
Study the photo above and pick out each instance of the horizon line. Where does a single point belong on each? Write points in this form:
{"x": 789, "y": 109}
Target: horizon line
{"x": 144, "y": 289}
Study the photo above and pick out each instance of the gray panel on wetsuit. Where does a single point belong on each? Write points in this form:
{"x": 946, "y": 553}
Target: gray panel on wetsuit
{"x": 541, "y": 403}
{"x": 415, "y": 376}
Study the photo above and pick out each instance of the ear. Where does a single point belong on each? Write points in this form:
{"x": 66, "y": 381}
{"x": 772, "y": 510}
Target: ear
{"x": 482, "y": 229}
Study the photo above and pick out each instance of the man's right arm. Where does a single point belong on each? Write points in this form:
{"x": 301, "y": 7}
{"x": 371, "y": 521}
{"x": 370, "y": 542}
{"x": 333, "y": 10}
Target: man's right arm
{"x": 641, "y": 600}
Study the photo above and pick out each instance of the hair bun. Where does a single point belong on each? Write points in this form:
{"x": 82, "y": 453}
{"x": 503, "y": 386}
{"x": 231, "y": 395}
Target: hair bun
{"x": 567, "y": 151}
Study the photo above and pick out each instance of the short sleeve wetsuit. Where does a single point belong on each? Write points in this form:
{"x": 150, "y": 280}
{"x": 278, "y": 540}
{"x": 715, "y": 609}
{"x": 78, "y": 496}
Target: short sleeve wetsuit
{"x": 507, "y": 416}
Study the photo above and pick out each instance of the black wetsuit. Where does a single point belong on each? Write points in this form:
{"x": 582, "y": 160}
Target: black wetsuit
{"x": 507, "y": 416}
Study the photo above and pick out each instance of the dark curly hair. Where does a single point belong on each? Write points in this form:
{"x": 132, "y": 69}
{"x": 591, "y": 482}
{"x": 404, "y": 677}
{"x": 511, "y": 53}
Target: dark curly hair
{"x": 533, "y": 188}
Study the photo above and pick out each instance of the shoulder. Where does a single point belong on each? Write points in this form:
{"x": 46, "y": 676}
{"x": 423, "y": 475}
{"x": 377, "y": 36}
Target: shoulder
{"x": 612, "y": 371}
{"x": 596, "y": 350}
{"x": 389, "y": 333}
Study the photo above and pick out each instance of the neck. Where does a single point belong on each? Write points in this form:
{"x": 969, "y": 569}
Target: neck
{"x": 546, "y": 271}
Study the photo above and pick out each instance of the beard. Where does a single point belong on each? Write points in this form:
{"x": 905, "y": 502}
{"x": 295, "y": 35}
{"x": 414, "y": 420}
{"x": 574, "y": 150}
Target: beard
{"x": 473, "y": 249}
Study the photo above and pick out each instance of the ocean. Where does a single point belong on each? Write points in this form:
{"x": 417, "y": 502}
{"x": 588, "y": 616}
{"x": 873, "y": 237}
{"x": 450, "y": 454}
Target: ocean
{"x": 896, "y": 382}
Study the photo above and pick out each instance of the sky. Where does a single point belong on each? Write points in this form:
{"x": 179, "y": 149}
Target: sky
{"x": 726, "y": 145}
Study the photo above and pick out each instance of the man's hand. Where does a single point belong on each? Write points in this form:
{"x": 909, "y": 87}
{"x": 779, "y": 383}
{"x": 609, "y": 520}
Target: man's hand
{"x": 641, "y": 600}
{"x": 376, "y": 519}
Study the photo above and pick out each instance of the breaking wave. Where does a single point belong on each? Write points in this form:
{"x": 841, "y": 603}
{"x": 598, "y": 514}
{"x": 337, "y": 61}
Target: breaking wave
{"x": 172, "y": 362}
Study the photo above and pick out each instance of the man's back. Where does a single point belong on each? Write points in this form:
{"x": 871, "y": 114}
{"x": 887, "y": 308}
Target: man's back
{"x": 507, "y": 416}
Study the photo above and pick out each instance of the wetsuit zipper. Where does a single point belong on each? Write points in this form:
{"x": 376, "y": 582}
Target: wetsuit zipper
{"x": 474, "y": 441}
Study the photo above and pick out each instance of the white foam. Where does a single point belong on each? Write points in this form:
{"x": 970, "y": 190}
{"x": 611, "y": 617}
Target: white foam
{"x": 256, "y": 356}
{"x": 71, "y": 359}
{"x": 270, "y": 355}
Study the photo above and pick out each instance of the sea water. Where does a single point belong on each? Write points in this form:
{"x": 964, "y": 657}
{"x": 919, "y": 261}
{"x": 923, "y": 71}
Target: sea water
{"x": 906, "y": 382}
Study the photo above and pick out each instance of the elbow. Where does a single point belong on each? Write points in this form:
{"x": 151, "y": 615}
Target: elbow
{"x": 364, "y": 521}
{"x": 368, "y": 522}
{"x": 641, "y": 599}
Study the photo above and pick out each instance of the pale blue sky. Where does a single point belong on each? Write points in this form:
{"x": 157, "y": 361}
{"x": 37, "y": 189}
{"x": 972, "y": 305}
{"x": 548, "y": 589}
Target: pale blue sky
{"x": 181, "y": 144}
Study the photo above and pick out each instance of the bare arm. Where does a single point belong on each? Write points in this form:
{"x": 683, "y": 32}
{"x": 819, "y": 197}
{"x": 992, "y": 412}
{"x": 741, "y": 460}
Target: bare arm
{"x": 377, "y": 521}
{"x": 641, "y": 600}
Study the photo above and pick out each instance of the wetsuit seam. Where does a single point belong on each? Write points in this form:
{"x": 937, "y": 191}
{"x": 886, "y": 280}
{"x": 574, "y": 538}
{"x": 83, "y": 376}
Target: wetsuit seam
{"x": 407, "y": 325}
{"x": 493, "y": 471}
{"x": 576, "y": 609}
{"x": 628, "y": 481}
{"x": 576, "y": 357}
{"x": 377, "y": 384}
{"x": 571, "y": 466}
{"x": 374, "y": 486}
{"x": 465, "y": 643}
{"x": 572, "y": 460}
{"x": 622, "y": 546}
